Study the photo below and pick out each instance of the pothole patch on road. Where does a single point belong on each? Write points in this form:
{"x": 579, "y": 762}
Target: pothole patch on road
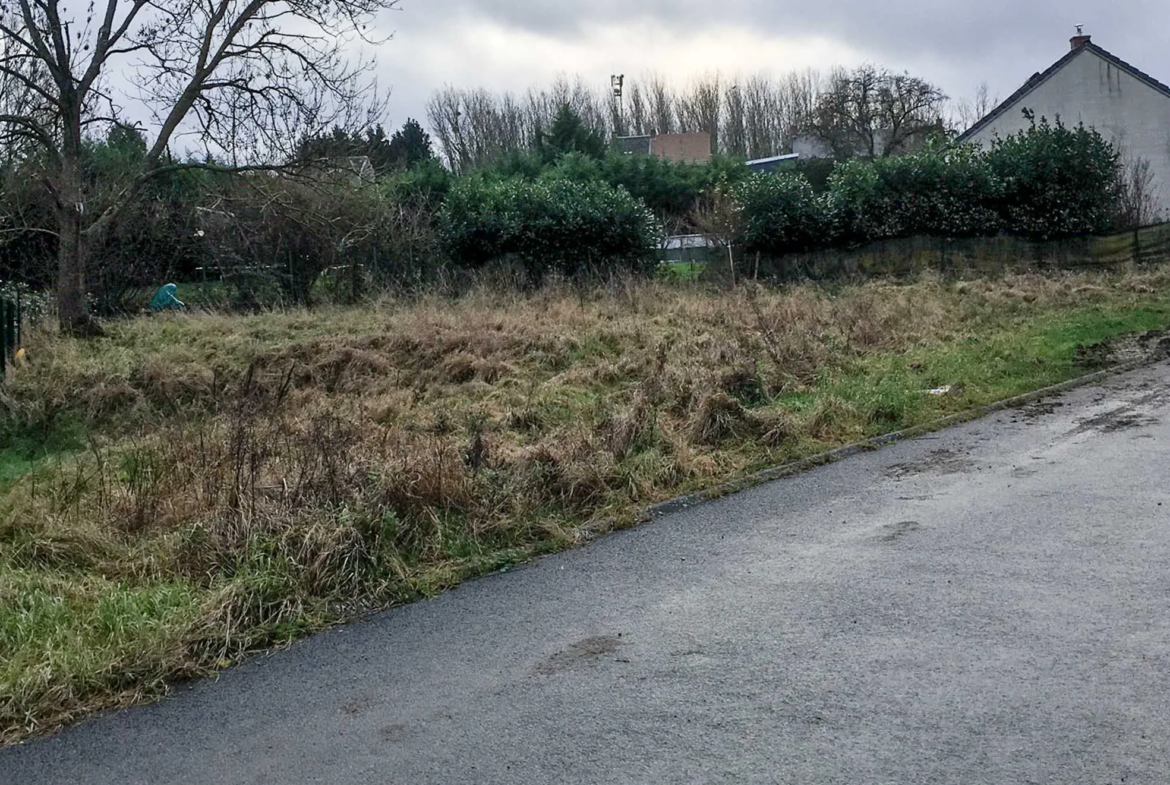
{"x": 1121, "y": 419}
{"x": 357, "y": 706}
{"x": 580, "y": 653}
{"x": 1037, "y": 410}
{"x": 892, "y": 532}
{"x": 937, "y": 462}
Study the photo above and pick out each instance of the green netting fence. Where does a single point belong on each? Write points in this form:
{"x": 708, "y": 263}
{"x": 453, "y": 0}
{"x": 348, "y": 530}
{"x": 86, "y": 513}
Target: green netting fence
{"x": 11, "y": 318}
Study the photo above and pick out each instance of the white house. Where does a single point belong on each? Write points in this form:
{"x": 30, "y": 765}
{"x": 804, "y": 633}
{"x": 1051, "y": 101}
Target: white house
{"x": 1092, "y": 86}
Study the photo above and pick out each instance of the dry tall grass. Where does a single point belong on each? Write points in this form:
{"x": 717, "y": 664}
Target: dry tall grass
{"x": 245, "y": 479}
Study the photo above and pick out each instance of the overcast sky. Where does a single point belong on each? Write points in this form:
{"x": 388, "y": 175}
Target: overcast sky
{"x": 513, "y": 44}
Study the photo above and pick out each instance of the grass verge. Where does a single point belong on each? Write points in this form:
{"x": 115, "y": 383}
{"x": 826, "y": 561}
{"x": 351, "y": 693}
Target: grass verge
{"x": 192, "y": 489}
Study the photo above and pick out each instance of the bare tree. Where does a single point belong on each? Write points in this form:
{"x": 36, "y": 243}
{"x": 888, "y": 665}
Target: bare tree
{"x": 699, "y": 108}
{"x": 513, "y": 132}
{"x": 591, "y": 105}
{"x": 662, "y": 104}
{"x": 16, "y": 99}
{"x": 734, "y": 133}
{"x": 719, "y": 218}
{"x": 757, "y": 101}
{"x": 474, "y": 126}
{"x": 229, "y": 72}
{"x": 444, "y": 115}
{"x": 874, "y": 112}
{"x": 1137, "y": 197}
{"x": 774, "y": 110}
{"x": 802, "y": 91}
{"x": 483, "y": 120}
{"x": 539, "y": 108}
{"x": 755, "y": 117}
{"x": 967, "y": 111}
{"x": 637, "y": 113}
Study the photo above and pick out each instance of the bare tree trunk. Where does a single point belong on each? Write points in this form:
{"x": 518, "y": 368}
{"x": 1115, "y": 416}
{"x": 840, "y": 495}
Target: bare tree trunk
{"x": 71, "y": 272}
{"x": 71, "y": 254}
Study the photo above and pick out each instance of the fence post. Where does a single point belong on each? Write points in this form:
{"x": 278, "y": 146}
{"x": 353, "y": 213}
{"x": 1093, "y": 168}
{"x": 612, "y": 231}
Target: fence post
{"x": 10, "y": 328}
{"x": 4, "y": 340}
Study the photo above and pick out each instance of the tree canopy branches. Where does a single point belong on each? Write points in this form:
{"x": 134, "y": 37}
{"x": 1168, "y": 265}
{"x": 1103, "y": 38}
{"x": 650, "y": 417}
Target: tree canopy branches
{"x": 245, "y": 78}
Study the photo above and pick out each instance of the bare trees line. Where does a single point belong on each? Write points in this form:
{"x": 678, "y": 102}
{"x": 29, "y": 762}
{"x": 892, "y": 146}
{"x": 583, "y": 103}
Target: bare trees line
{"x": 751, "y": 116}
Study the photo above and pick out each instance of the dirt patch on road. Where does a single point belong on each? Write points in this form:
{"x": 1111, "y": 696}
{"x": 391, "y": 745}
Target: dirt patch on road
{"x": 892, "y": 532}
{"x": 584, "y": 651}
{"x": 937, "y": 462}
{"x": 1154, "y": 345}
{"x": 1122, "y": 419}
{"x": 1138, "y": 411}
{"x": 1037, "y": 410}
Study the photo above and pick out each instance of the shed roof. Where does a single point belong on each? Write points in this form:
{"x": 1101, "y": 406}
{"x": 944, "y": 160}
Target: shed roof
{"x": 773, "y": 159}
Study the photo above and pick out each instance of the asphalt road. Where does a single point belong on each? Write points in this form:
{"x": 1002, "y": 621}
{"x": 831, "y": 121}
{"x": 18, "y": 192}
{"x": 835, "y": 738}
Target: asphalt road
{"x": 986, "y": 605}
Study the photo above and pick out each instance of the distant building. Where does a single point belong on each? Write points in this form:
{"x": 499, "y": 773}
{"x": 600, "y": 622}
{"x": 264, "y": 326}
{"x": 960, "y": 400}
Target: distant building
{"x": 807, "y": 146}
{"x": 633, "y": 145}
{"x": 688, "y": 249}
{"x": 1092, "y": 86}
{"x": 679, "y": 148}
{"x": 682, "y": 148}
{"x": 812, "y": 146}
{"x": 772, "y": 164}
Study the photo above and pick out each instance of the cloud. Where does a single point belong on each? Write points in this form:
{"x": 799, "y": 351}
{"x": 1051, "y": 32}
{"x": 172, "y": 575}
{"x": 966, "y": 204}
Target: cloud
{"x": 475, "y": 52}
{"x": 514, "y": 44}
{"x": 894, "y": 27}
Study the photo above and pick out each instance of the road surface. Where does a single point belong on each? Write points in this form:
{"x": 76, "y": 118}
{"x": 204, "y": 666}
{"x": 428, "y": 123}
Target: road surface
{"x": 990, "y": 604}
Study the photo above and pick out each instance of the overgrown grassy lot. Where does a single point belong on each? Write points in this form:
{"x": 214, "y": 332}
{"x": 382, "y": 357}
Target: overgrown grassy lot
{"x": 191, "y": 489}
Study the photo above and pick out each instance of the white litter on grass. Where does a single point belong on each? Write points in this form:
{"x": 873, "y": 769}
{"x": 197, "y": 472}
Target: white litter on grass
{"x": 940, "y": 391}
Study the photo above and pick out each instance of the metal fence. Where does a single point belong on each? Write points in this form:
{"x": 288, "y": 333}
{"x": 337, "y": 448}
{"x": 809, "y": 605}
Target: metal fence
{"x": 11, "y": 319}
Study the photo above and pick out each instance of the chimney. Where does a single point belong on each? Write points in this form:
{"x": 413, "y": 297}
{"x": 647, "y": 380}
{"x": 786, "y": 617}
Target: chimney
{"x": 1080, "y": 39}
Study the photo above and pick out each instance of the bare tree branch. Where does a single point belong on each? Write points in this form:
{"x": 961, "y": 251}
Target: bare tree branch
{"x": 231, "y": 73}
{"x": 873, "y": 112}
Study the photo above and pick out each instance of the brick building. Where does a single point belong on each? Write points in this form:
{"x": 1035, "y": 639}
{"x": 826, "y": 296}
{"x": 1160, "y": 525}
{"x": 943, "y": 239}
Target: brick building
{"x": 679, "y": 148}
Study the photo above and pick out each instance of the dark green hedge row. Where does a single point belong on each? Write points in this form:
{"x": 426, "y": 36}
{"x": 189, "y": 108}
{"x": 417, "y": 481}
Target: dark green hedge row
{"x": 567, "y": 214}
{"x": 550, "y": 226}
{"x": 1046, "y": 182}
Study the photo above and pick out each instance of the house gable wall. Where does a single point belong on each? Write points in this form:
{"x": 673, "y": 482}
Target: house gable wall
{"x": 1089, "y": 89}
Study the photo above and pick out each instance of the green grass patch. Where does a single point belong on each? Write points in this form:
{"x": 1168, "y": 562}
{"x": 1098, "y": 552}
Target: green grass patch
{"x": 74, "y": 643}
{"x": 893, "y": 392}
{"x": 24, "y": 449}
{"x": 682, "y": 272}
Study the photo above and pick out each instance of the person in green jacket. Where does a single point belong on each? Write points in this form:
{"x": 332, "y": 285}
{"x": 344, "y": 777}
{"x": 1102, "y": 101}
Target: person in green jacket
{"x": 165, "y": 299}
